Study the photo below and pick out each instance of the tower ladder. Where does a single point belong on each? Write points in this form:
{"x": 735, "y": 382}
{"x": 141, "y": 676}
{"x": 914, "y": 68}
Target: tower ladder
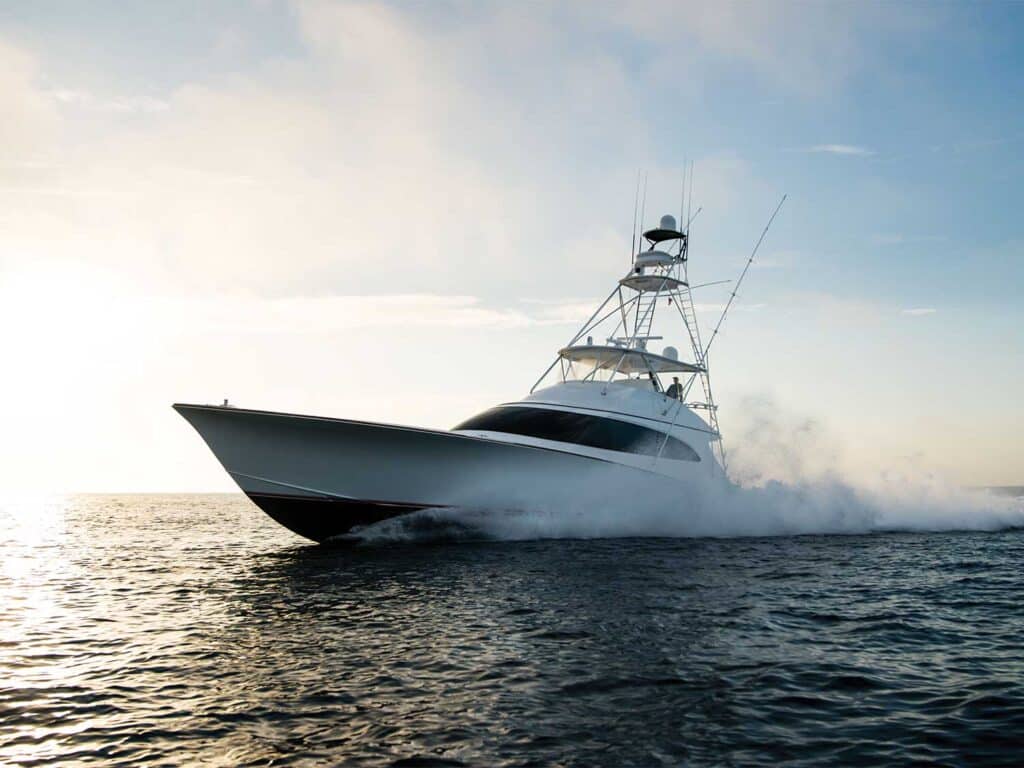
{"x": 689, "y": 314}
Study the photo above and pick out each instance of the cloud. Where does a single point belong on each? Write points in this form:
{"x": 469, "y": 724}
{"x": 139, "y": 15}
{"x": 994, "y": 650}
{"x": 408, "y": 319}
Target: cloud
{"x": 83, "y": 99}
{"x": 329, "y": 314}
{"x": 807, "y": 48}
{"x": 841, "y": 149}
{"x": 243, "y": 315}
{"x": 30, "y": 120}
{"x": 777, "y": 259}
{"x": 560, "y": 311}
{"x": 389, "y": 181}
{"x": 917, "y": 311}
{"x": 833, "y": 309}
{"x": 336, "y": 170}
{"x": 391, "y": 151}
{"x": 737, "y": 306}
{"x": 901, "y": 239}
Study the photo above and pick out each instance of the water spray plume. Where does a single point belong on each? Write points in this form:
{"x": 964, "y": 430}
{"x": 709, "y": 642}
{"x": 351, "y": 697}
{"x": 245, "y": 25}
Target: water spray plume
{"x": 788, "y": 481}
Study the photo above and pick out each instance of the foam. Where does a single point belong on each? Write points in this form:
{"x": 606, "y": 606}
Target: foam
{"x": 785, "y": 480}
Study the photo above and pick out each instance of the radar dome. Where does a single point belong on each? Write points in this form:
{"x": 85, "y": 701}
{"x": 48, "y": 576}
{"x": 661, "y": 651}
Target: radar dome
{"x": 670, "y": 352}
{"x": 668, "y": 221}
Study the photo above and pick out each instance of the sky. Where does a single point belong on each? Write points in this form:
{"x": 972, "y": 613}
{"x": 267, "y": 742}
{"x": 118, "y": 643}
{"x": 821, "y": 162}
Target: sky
{"x": 400, "y": 211}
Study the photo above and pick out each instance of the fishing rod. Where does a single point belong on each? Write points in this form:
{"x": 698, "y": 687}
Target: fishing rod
{"x": 742, "y": 275}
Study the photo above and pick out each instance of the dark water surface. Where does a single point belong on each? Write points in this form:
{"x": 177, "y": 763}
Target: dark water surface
{"x": 192, "y": 630}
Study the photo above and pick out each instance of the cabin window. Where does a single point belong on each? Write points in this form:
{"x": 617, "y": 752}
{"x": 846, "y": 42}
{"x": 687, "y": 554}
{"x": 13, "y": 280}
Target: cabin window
{"x": 581, "y": 429}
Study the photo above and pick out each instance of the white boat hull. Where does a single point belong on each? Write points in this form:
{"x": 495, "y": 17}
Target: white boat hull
{"x": 324, "y": 477}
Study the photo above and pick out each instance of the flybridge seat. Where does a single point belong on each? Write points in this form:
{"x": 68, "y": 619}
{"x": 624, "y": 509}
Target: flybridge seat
{"x": 626, "y": 360}
{"x": 653, "y": 258}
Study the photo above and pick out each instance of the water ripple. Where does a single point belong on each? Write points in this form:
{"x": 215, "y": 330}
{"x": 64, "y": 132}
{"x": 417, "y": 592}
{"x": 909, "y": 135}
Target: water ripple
{"x": 178, "y": 630}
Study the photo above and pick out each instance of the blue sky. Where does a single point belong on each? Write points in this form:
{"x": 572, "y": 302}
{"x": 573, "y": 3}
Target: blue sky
{"x": 244, "y": 198}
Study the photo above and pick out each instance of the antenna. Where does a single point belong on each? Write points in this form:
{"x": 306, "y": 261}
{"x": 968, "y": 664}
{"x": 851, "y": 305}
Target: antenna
{"x": 636, "y": 201}
{"x": 643, "y": 202}
{"x": 682, "y": 194}
{"x": 682, "y": 207}
{"x": 742, "y": 275}
{"x": 690, "y": 202}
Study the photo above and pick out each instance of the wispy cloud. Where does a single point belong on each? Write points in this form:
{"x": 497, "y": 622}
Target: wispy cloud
{"x": 297, "y": 315}
{"x": 83, "y": 99}
{"x": 336, "y": 313}
{"x": 917, "y": 311}
{"x": 718, "y": 308}
{"x": 780, "y": 259}
{"x": 571, "y": 311}
{"x": 851, "y": 150}
{"x": 900, "y": 239}
{"x": 971, "y": 145}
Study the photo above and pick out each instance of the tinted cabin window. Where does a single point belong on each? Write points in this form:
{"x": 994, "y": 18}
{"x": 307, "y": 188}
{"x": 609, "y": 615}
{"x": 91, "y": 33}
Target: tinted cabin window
{"x": 581, "y": 429}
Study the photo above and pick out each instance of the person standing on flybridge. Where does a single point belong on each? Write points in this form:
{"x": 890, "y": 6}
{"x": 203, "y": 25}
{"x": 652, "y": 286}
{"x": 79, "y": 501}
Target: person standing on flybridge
{"x": 676, "y": 390}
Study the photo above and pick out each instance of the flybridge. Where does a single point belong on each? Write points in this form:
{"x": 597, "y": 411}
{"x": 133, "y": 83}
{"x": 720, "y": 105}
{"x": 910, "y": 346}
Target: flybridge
{"x": 651, "y": 303}
{"x": 656, "y": 285}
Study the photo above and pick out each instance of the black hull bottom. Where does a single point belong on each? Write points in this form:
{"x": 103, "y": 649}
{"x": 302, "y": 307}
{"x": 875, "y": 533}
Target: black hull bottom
{"x": 322, "y": 518}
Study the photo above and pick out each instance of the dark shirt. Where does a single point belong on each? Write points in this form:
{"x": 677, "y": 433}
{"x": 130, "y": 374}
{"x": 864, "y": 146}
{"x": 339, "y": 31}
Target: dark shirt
{"x": 675, "y": 392}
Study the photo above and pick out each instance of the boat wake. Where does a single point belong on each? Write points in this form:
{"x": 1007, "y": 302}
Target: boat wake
{"x": 785, "y": 482}
{"x": 774, "y": 509}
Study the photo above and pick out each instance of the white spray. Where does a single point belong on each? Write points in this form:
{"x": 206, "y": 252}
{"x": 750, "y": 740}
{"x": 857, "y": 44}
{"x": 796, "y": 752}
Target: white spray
{"x": 786, "y": 482}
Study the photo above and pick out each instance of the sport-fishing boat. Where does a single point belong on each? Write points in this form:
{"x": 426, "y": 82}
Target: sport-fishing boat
{"x": 608, "y": 413}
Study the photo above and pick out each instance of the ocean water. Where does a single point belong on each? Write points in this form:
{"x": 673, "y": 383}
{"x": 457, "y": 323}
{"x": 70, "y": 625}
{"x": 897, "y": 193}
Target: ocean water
{"x": 169, "y": 630}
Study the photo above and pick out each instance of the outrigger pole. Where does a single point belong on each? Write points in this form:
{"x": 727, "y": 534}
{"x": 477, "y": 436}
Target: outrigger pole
{"x": 743, "y": 274}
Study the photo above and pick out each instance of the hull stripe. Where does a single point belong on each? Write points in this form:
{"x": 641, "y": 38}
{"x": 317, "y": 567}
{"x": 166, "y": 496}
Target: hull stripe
{"x": 293, "y": 486}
